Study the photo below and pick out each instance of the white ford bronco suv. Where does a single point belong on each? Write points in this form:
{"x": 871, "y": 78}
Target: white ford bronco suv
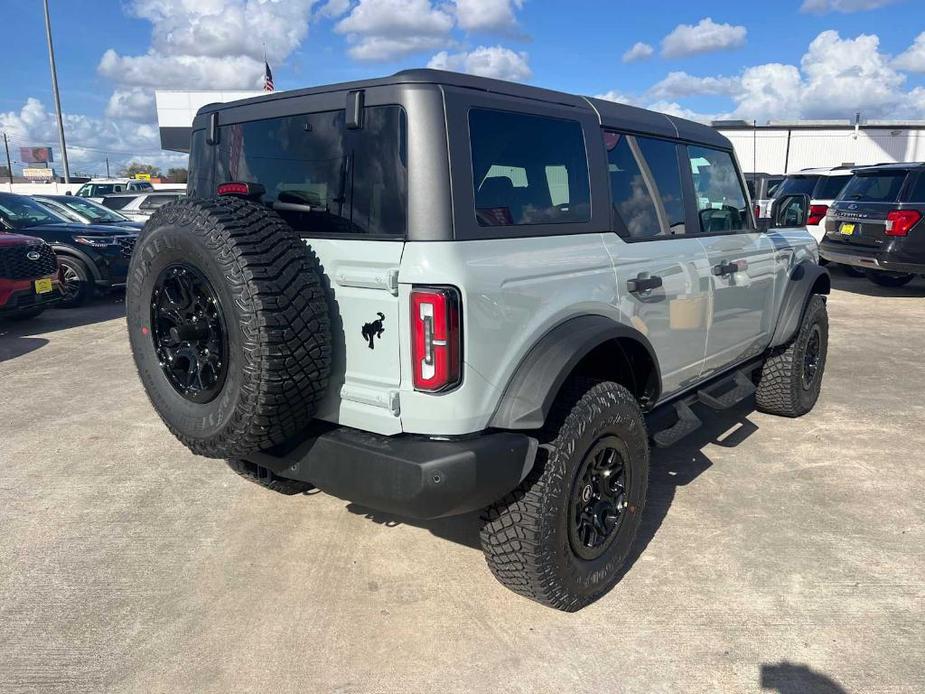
{"x": 434, "y": 293}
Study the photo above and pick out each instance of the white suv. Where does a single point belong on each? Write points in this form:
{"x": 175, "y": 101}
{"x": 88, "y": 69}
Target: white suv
{"x": 822, "y": 185}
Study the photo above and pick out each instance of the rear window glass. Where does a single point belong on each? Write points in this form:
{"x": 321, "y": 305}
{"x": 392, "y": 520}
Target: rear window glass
{"x": 528, "y": 169}
{"x": 119, "y": 202}
{"x": 662, "y": 159}
{"x": 918, "y": 192}
{"x": 879, "y": 187}
{"x": 152, "y": 202}
{"x": 829, "y": 187}
{"x": 321, "y": 176}
{"x": 797, "y": 185}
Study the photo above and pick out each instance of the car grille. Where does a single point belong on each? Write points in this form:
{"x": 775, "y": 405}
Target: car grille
{"x": 127, "y": 245}
{"x": 15, "y": 264}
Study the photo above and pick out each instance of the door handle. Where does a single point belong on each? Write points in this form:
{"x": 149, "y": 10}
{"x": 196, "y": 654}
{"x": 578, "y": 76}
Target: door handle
{"x": 643, "y": 282}
{"x": 730, "y": 268}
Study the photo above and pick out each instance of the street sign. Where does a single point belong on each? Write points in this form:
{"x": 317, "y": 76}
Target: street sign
{"x": 142, "y": 177}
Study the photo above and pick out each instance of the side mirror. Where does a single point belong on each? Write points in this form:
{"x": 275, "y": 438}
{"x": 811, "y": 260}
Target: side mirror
{"x": 789, "y": 211}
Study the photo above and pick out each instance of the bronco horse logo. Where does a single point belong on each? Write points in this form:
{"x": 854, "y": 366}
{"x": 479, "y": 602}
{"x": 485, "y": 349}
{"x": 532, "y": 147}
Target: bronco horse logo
{"x": 373, "y": 330}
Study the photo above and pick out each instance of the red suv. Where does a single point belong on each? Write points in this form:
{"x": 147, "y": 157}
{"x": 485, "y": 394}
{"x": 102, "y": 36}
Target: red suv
{"x": 29, "y": 279}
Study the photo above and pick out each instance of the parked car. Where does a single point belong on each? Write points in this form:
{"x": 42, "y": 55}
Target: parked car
{"x": 457, "y": 293}
{"x": 822, "y": 185}
{"x": 876, "y": 223}
{"x": 29, "y": 277}
{"x": 139, "y": 207}
{"x": 90, "y": 255}
{"x": 761, "y": 187}
{"x": 97, "y": 188}
{"x": 86, "y": 211}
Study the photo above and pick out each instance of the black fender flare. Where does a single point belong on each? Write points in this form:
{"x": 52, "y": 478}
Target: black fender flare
{"x": 61, "y": 249}
{"x": 530, "y": 392}
{"x": 805, "y": 279}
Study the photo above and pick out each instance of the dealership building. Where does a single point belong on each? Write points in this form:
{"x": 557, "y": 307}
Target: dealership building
{"x": 772, "y": 147}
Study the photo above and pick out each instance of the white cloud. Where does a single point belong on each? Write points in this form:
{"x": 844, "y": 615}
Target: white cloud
{"x": 488, "y": 15}
{"x": 704, "y": 37}
{"x": 182, "y": 71}
{"x": 334, "y": 8}
{"x": 639, "y": 51}
{"x": 823, "y": 6}
{"x": 89, "y": 140}
{"x": 672, "y": 108}
{"x": 388, "y": 29}
{"x": 132, "y": 104}
{"x": 495, "y": 61}
{"x": 681, "y": 84}
{"x": 913, "y": 58}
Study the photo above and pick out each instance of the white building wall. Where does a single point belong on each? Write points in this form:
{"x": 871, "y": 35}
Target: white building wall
{"x": 767, "y": 150}
{"x": 176, "y": 109}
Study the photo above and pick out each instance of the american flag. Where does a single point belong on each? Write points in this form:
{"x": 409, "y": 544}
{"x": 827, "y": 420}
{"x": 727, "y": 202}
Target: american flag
{"x": 267, "y": 78}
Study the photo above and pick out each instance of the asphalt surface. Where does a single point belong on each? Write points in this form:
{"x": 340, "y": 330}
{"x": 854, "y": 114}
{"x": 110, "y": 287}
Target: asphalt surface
{"x": 775, "y": 555}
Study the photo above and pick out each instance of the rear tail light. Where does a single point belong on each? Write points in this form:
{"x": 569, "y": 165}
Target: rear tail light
{"x": 244, "y": 190}
{"x": 899, "y": 222}
{"x": 757, "y": 211}
{"x": 436, "y": 343}
{"x": 816, "y": 214}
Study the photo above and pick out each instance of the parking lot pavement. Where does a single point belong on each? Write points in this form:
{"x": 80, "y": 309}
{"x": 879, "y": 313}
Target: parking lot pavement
{"x": 775, "y": 555}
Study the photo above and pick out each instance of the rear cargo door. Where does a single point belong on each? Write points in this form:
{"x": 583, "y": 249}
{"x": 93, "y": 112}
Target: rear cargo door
{"x": 362, "y": 279}
{"x": 859, "y": 217}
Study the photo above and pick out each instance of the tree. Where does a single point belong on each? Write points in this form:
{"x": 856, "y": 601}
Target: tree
{"x": 4, "y": 172}
{"x": 177, "y": 175}
{"x": 137, "y": 168}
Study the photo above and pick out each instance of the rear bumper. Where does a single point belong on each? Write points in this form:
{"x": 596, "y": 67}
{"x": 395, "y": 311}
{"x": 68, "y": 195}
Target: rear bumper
{"x": 872, "y": 259}
{"x": 406, "y": 475}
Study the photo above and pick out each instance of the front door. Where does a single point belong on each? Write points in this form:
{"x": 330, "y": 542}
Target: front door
{"x": 741, "y": 268}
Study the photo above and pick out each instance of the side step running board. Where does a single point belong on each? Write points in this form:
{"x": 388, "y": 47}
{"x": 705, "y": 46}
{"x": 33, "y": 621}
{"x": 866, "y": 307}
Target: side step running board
{"x": 687, "y": 422}
{"x": 742, "y": 389}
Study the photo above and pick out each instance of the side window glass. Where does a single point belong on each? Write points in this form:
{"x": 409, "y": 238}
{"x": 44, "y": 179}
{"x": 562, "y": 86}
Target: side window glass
{"x": 721, "y": 203}
{"x": 918, "y": 192}
{"x": 662, "y": 159}
{"x": 636, "y": 214}
{"x": 528, "y": 169}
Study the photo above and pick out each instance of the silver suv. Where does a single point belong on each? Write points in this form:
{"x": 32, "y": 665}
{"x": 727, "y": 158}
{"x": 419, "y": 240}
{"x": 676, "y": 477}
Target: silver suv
{"x": 434, "y": 293}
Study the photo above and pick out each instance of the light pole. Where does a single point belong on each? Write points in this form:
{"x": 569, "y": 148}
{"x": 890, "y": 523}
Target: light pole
{"x": 54, "y": 89}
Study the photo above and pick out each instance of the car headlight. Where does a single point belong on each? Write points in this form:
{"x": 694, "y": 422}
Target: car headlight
{"x": 96, "y": 241}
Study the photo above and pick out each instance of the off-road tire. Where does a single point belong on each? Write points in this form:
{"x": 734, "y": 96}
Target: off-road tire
{"x": 525, "y": 535}
{"x": 265, "y": 478}
{"x": 269, "y": 286}
{"x": 781, "y": 389}
{"x": 852, "y": 271}
{"x": 889, "y": 279}
{"x": 86, "y": 288}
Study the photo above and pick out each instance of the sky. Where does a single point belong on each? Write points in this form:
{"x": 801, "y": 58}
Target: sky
{"x": 708, "y": 59}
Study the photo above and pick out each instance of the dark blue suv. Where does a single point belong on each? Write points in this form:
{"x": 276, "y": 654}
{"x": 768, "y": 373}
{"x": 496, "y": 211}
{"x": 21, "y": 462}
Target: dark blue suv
{"x": 90, "y": 255}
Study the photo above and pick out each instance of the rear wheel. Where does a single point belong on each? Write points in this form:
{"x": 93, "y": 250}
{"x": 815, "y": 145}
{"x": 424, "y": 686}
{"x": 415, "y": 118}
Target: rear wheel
{"x": 889, "y": 279}
{"x": 562, "y": 537}
{"x": 77, "y": 287}
{"x": 852, "y": 271}
{"x": 791, "y": 377}
{"x": 266, "y": 478}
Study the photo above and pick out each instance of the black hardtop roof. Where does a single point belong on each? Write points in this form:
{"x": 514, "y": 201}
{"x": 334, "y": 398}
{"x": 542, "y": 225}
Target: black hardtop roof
{"x": 610, "y": 114}
{"x": 891, "y": 166}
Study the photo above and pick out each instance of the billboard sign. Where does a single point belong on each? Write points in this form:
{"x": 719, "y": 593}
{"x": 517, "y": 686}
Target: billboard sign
{"x": 35, "y": 155}
{"x": 38, "y": 174}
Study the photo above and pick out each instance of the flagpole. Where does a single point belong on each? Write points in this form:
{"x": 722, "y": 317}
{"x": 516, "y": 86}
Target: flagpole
{"x": 54, "y": 88}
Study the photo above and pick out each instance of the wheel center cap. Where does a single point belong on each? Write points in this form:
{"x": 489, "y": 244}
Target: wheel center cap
{"x": 586, "y": 493}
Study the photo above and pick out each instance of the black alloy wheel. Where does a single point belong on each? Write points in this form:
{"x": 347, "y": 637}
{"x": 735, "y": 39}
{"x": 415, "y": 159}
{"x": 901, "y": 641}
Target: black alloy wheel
{"x": 812, "y": 355}
{"x": 598, "y": 498}
{"x": 189, "y": 332}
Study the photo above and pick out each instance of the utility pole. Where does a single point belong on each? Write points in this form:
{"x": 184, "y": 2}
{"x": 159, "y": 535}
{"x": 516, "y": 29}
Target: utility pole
{"x": 9, "y": 166}
{"x": 107, "y": 167}
{"x": 54, "y": 89}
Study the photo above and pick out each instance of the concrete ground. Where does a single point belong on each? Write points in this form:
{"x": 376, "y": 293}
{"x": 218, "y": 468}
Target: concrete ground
{"x": 775, "y": 555}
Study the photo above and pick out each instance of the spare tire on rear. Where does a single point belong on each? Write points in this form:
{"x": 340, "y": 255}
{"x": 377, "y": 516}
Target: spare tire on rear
{"x": 228, "y": 324}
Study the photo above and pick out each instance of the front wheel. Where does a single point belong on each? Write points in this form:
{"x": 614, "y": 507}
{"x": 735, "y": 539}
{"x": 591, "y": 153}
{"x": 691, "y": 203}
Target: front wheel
{"x": 562, "y": 537}
{"x": 77, "y": 287}
{"x": 889, "y": 279}
{"x": 791, "y": 377}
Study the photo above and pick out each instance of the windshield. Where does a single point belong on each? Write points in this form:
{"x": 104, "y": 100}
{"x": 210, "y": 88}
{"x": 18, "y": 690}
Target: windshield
{"x": 95, "y": 190}
{"x": 796, "y": 185}
{"x": 58, "y": 209}
{"x": 878, "y": 187}
{"x": 94, "y": 212}
{"x": 21, "y": 212}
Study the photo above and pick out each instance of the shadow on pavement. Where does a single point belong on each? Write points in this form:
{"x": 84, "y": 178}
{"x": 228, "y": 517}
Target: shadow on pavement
{"x": 792, "y": 678}
{"x": 669, "y": 469}
{"x": 19, "y": 337}
{"x": 862, "y": 285}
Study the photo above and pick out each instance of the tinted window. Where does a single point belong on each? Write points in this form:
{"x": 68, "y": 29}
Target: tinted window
{"x": 773, "y": 183}
{"x": 319, "y": 175}
{"x": 829, "y": 187}
{"x": 879, "y": 187}
{"x": 21, "y": 212}
{"x": 152, "y": 202}
{"x": 117, "y": 203}
{"x": 528, "y": 169}
{"x": 751, "y": 187}
{"x": 721, "y": 201}
{"x": 662, "y": 159}
{"x": 797, "y": 185}
{"x": 636, "y": 216}
{"x": 918, "y": 192}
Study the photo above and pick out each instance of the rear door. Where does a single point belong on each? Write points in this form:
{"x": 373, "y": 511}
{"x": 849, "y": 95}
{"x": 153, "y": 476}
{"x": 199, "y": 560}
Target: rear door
{"x": 658, "y": 266}
{"x": 741, "y": 262}
{"x": 858, "y": 218}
